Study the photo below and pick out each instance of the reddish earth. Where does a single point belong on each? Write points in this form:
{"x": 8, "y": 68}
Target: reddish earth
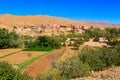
{"x": 43, "y": 65}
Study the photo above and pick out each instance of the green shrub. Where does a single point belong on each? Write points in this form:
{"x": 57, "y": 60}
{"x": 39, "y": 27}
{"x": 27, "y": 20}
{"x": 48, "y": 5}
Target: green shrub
{"x": 100, "y": 58}
{"x": 114, "y": 43}
{"x": 4, "y": 38}
{"x": 117, "y": 49}
{"x": 7, "y": 72}
{"x": 88, "y": 56}
{"x": 96, "y": 39}
{"x": 52, "y": 75}
{"x": 14, "y": 40}
{"x": 8, "y": 39}
{"x": 72, "y": 68}
{"x": 96, "y": 32}
{"x": 63, "y": 26}
{"x": 109, "y": 56}
{"x": 44, "y": 41}
{"x": 77, "y": 43}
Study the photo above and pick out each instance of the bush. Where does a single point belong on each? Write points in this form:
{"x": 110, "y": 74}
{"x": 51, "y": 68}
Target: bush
{"x": 4, "y": 38}
{"x": 114, "y": 43}
{"x": 77, "y": 43}
{"x": 7, "y": 72}
{"x": 52, "y": 75}
{"x": 8, "y": 39}
{"x": 96, "y": 32}
{"x": 72, "y": 68}
{"x": 88, "y": 56}
{"x": 96, "y": 39}
{"x": 100, "y": 58}
{"x": 44, "y": 41}
{"x": 109, "y": 56}
{"x": 14, "y": 40}
{"x": 117, "y": 49}
{"x": 63, "y": 26}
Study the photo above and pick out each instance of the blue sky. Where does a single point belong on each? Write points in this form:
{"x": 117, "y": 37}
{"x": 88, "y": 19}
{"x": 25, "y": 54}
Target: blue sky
{"x": 88, "y": 10}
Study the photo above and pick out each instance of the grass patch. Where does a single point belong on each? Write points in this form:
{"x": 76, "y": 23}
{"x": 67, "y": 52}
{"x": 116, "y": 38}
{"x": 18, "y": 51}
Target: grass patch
{"x": 9, "y": 54}
{"x": 39, "y": 49}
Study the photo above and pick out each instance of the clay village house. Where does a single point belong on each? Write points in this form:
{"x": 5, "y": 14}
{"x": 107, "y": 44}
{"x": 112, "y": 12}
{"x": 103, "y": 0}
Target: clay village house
{"x": 49, "y": 29}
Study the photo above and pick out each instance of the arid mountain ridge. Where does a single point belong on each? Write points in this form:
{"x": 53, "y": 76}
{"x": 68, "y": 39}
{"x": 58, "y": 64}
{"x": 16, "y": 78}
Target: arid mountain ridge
{"x": 8, "y": 21}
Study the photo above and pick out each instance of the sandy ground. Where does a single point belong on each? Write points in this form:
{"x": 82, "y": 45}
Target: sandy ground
{"x": 8, "y": 51}
{"x": 43, "y": 65}
{"x": 21, "y": 57}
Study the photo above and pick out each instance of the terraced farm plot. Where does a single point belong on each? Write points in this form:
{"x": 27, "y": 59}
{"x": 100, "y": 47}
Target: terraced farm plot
{"x": 21, "y": 57}
{"x": 34, "y": 62}
{"x": 4, "y": 52}
{"x": 44, "y": 64}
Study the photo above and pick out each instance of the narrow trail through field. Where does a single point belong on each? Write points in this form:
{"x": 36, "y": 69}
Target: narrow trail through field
{"x": 43, "y": 65}
{"x": 70, "y": 52}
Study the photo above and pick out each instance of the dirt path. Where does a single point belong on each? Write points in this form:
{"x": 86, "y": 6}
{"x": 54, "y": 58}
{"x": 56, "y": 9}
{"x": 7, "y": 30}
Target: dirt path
{"x": 44, "y": 64}
{"x": 69, "y": 53}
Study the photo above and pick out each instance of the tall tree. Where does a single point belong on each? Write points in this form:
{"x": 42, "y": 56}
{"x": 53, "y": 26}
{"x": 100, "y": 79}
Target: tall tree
{"x": 4, "y": 38}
